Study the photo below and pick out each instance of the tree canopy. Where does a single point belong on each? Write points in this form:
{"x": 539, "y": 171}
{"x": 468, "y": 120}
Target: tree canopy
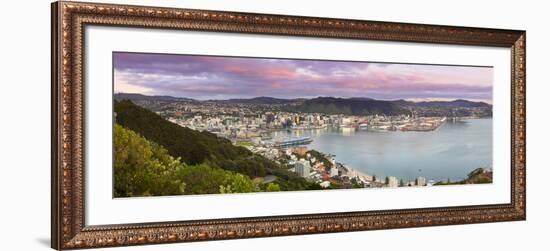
{"x": 144, "y": 168}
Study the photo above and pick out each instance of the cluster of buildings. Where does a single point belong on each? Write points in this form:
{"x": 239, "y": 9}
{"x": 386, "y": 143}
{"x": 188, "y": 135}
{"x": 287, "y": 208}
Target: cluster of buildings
{"x": 253, "y": 126}
{"x": 403, "y": 123}
{"x": 239, "y": 122}
{"x": 324, "y": 170}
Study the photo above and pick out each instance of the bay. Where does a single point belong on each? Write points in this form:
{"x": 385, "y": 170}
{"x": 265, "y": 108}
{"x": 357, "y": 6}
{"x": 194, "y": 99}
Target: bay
{"x": 449, "y": 152}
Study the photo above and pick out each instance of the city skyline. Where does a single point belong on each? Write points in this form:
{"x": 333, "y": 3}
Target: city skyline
{"x": 216, "y": 77}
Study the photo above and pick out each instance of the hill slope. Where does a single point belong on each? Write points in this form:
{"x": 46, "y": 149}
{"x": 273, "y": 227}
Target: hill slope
{"x": 353, "y": 106}
{"x": 257, "y": 100}
{"x": 141, "y": 97}
{"x": 452, "y": 104}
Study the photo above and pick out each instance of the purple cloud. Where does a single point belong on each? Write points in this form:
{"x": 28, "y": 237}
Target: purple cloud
{"x": 214, "y": 77}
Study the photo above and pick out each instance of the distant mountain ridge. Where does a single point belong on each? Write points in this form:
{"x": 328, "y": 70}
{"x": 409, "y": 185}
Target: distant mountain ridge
{"x": 272, "y": 100}
{"x": 258, "y": 100}
{"x": 349, "y": 106}
{"x": 137, "y": 96}
{"x": 454, "y": 103}
{"x": 329, "y": 105}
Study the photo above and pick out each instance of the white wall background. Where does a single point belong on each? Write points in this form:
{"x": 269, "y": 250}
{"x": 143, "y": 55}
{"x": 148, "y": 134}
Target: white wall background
{"x": 25, "y": 124}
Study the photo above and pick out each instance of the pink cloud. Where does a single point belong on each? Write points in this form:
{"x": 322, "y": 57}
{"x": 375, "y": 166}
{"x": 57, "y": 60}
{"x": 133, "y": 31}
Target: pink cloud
{"x": 204, "y": 76}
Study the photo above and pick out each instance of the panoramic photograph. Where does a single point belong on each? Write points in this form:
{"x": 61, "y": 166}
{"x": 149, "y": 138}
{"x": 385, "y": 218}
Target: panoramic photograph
{"x": 200, "y": 124}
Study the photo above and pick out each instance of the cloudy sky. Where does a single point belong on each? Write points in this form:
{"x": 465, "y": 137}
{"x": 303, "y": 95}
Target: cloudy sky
{"x": 210, "y": 77}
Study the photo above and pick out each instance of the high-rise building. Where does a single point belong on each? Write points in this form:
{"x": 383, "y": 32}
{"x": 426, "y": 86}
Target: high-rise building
{"x": 392, "y": 181}
{"x": 333, "y": 171}
{"x": 421, "y": 181}
{"x": 302, "y": 168}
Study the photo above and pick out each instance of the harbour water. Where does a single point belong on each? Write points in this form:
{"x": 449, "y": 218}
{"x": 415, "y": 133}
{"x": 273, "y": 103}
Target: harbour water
{"x": 449, "y": 152}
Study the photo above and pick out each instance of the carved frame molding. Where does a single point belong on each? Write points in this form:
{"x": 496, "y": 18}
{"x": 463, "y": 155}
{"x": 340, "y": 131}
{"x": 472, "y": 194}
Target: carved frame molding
{"x": 68, "y": 226}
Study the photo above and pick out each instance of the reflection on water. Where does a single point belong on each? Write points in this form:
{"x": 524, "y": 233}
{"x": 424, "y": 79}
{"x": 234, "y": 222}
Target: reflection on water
{"x": 451, "y": 151}
{"x": 348, "y": 132}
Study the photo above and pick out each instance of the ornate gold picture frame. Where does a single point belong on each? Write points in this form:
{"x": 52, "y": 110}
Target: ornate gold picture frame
{"x": 69, "y": 230}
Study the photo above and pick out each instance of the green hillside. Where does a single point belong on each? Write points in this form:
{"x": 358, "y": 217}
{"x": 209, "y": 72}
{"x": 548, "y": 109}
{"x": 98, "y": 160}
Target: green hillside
{"x": 354, "y": 106}
{"x": 144, "y": 168}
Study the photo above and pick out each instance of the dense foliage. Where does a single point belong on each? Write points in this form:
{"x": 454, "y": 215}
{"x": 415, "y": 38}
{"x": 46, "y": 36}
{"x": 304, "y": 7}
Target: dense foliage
{"x": 272, "y": 187}
{"x": 203, "y": 179}
{"x": 144, "y": 168}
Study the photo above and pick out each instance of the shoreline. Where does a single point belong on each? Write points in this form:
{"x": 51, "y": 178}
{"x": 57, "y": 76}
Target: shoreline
{"x": 351, "y": 171}
{"x": 367, "y": 175}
